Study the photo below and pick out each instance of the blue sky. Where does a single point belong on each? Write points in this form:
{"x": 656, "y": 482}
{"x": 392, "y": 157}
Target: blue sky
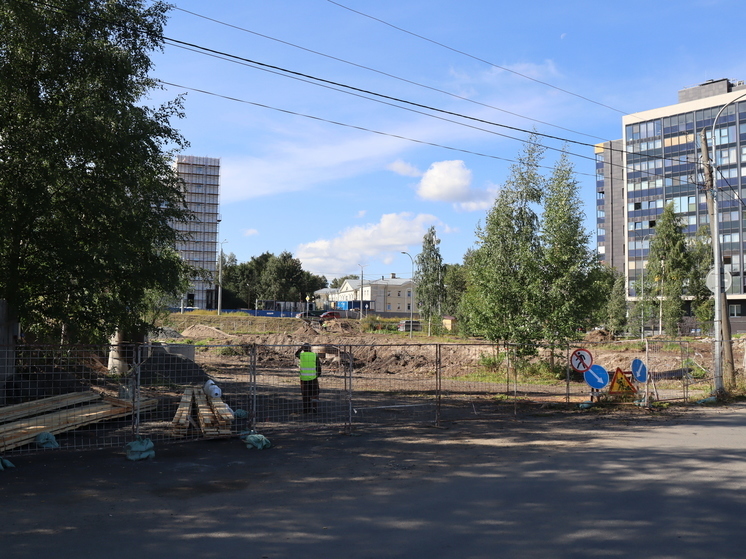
{"x": 341, "y": 198}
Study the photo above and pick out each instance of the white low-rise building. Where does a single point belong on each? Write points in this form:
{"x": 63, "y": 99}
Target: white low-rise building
{"x": 385, "y": 296}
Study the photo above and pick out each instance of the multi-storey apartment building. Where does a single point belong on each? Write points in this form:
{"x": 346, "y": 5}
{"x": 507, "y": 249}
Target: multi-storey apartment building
{"x": 201, "y": 176}
{"x": 659, "y": 162}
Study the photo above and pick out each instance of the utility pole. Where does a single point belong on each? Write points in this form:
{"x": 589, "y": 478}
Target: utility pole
{"x": 362, "y": 284}
{"x": 723, "y": 358}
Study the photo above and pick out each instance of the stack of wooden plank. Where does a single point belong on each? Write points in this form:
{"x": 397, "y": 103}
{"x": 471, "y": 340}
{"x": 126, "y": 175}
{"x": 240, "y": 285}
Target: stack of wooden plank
{"x": 183, "y": 418}
{"x": 213, "y": 415}
{"x": 21, "y": 423}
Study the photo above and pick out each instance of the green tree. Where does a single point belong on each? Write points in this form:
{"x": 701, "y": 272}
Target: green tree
{"x": 616, "y": 307}
{"x": 86, "y": 183}
{"x": 703, "y": 303}
{"x": 569, "y": 269}
{"x": 669, "y": 268}
{"x": 336, "y": 283}
{"x": 501, "y": 302}
{"x": 454, "y": 286}
{"x": 283, "y": 279}
{"x": 428, "y": 277}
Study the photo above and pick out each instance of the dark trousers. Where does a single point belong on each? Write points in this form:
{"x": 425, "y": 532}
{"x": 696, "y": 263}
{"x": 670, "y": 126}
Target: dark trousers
{"x": 309, "y": 390}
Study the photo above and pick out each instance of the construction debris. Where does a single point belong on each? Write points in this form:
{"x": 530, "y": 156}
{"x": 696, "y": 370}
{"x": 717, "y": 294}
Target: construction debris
{"x": 20, "y": 424}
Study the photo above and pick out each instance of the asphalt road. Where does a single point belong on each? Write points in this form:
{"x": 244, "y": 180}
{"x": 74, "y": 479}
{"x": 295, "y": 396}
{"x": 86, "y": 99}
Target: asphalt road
{"x": 528, "y": 487}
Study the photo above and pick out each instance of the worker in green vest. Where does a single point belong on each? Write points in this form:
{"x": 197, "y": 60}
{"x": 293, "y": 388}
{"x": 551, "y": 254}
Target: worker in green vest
{"x": 310, "y": 370}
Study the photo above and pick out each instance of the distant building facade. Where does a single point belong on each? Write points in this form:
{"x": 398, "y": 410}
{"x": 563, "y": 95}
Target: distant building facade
{"x": 385, "y": 296}
{"x": 657, "y": 162}
{"x": 201, "y": 179}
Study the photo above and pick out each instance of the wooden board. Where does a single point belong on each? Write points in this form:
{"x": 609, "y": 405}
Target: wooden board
{"x": 36, "y": 407}
{"x": 24, "y": 431}
{"x": 183, "y": 418}
{"x": 209, "y": 422}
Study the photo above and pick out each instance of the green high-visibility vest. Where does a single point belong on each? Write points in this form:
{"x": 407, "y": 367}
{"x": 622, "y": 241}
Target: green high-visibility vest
{"x": 307, "y": 365}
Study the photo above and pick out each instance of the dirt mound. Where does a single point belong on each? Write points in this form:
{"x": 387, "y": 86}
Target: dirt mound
{"x": 598, "y": 336}
{"x": 339, "y": 326}
{"x": 305, "y": 330}
{"x": 205, "y": 332}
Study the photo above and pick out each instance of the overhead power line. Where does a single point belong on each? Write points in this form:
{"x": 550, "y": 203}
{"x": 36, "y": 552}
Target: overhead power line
{"x": 343, "y": 124}
{"x": 381, "y": 101}
{"x": 318, "y": 81}
{"x": 387, "y": 74}
{"x": 477, "y": 58}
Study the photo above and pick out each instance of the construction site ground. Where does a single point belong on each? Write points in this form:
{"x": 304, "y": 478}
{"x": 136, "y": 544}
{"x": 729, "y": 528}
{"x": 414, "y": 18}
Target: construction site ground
{"x": 608, "y": 352}
{"x": 531, "y": 485}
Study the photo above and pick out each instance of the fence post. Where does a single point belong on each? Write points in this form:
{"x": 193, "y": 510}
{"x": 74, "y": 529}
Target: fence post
{"x": 138, "y": 359}
{"x": 252, "y": 385}
{"x": 567, "y": 373}
{"x": 438, "y": 379}
{"x": 348, "y": 369}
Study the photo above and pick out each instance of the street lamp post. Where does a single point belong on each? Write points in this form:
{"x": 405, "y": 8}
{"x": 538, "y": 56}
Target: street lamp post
{"x": 362, "y": 283}
{"x": 411, "y": 302}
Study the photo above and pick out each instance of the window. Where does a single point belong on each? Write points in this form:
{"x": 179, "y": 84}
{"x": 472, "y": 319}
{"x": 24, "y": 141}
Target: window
{"x": 734, "y": 310}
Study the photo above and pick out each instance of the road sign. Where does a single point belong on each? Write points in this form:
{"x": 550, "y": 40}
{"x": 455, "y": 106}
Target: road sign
{"x": 597, "y": 377}
{"x": 581, "y": 360}
{"x": 639, "y": 371}
{"x": 726, "y": 280}
{"x": 620, "y": 384}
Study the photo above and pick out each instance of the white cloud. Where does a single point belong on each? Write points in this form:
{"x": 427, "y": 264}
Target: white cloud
{"x": 403, "y": 168}
{"x": 362, "y": 213}
{"x": 450, "y": 181}
{"x": 446, "y": 181}
{"x": 250, "y": 232}
{"x": 394, "y": 233}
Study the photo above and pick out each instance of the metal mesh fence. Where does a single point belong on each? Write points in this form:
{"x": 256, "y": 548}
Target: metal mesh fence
{"x": 394, "y": 383}
{"x": 277, "y": 398}
{"x": 107, "y": 396}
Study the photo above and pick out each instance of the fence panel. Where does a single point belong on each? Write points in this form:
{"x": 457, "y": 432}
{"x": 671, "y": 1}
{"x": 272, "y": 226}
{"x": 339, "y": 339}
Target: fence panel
{"x": 89, "y": 397}
{"x": 106, "y": 396}
{"x": 175, "y": 375}
{"x": 394, "y": 383}
{"x": 276, "y": 398}
{"x": 64, "y": 396}
{"x": 676, "y": 372}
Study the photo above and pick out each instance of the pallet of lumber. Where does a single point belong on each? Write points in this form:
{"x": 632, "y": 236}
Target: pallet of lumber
{"x": 214, "y": 417}
{"x": 211, "y": 423}
{"x": 24, "y": 431}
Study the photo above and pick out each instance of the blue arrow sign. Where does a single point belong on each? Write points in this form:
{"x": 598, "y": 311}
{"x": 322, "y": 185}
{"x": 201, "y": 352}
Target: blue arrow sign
{"x": 597, "y": 377}
{"x": 639, "y": 371}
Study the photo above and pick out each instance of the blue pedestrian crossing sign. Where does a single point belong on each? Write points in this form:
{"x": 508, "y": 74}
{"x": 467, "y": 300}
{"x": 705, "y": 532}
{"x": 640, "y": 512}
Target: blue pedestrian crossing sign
{"x": 597, "y": 377}
{"x": 639, "y": 371}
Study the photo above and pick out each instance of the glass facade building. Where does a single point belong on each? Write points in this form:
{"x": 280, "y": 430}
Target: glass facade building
{"x": 658, "y": 162}
{"x": 201, "y": 179}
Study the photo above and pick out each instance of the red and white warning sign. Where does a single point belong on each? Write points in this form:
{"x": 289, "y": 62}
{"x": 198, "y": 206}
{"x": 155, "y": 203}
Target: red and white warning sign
{"x": 581, "y": 360}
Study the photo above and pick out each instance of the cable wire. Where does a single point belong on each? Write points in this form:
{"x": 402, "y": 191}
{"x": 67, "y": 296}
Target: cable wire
{"x": 477, "y": 58}
{"x": 387, "y": 74}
